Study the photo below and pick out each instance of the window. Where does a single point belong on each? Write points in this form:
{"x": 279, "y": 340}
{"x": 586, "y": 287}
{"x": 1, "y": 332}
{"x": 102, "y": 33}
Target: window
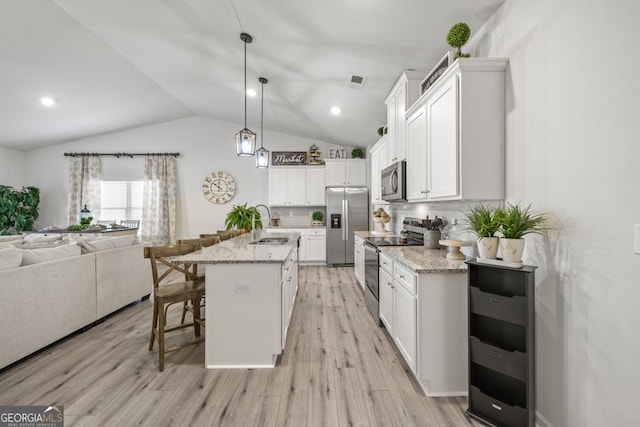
{"x": 121, "y": 200}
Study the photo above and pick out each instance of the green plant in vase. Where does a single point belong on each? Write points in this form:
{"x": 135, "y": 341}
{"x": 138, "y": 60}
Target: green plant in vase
{"x": 484, "y": 221}
{"x": 242, "y": 217}
{"x": 357, "y": 153}
{"x": 317, "y": 217}
{"x": 457, "y": 36}
{"x": 515, "y": 223}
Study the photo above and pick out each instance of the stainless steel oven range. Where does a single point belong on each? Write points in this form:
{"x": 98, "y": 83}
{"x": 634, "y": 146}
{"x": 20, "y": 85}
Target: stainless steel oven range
{"x": 414, "y": 230}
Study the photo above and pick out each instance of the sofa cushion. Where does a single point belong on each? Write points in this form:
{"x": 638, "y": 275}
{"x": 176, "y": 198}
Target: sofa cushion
{"x": 40, "y": 238}
{"x": 105, "y": 243}
{"x": 63, "y": 241}
{"x": 10, "y": 258}
{"x": 11, "y": 244}
{"x": 11, "y": 238}
{"x": 34, "y": 256}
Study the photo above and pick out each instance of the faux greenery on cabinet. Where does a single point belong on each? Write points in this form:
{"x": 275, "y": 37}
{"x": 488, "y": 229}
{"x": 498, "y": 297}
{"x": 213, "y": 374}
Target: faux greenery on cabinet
{"x": 18, "y": 209}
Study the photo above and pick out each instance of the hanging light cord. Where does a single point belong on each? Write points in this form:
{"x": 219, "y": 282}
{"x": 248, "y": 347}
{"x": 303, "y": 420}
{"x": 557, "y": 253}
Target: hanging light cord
{"x": 262, "y": 116}
{"x": 245, "y": 84}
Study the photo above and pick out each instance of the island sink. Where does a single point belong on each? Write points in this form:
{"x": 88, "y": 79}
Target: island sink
{"x": 270, "y": 241}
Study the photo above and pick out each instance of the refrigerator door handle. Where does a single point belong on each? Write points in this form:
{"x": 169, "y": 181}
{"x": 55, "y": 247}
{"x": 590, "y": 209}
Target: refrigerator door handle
{"x": 344, "y": 223}
{"x": 346, "y": 219}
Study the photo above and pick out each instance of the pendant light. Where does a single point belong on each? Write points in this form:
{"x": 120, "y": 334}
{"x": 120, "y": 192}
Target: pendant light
{"x": 245, "y": 139}
{"x": 262, "y": 154}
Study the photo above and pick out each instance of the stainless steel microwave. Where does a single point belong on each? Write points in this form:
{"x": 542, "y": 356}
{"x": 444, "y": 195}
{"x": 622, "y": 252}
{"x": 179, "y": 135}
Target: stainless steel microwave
{"x": 393, "y": 182}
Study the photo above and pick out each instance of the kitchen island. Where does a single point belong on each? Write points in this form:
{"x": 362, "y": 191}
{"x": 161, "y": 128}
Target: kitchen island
{"x": 250, "y": 288}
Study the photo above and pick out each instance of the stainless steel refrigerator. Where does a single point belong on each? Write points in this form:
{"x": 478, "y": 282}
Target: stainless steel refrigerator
{"x": 347, "y": 211}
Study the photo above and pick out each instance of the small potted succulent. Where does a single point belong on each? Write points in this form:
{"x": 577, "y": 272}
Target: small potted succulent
{"x": 515, "y": 223}
{"x": 317, "y": 218}
{"x": 484, "y": 221}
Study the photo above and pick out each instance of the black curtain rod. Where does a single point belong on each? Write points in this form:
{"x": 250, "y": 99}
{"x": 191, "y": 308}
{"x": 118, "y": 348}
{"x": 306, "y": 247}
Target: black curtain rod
{"x": 120, "y": 154}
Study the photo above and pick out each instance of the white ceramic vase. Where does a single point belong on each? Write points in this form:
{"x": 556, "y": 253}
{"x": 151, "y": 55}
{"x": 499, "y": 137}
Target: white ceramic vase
{"x": 511, "y": 249}
{"x": 487, "y": 247}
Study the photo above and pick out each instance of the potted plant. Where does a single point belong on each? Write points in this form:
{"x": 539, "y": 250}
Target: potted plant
{"x": 242, "y": 217}
{"x": 357, "y": 153}
{"x": 317, "y": 218}
{"x": 381, "y": 131}
{"x": 457, "y": 36}
{"x": 515, "y": 223}
{"x": 18, "y": 208}
{"x": 484, "y": 222}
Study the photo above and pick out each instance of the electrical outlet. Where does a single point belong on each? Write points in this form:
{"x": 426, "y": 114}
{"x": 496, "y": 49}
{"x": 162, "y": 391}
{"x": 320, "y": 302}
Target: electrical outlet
{"x": 243, "y": 288}
{"x": 636, "y": 239}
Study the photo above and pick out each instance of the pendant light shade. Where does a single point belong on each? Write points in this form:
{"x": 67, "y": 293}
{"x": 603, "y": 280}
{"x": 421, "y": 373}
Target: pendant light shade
{"x": 245, "y": 139}
{"x": 262, "y": 154}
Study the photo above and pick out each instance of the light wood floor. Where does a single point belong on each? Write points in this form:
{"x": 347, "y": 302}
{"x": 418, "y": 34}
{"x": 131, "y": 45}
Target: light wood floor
{"x": 339, "y": 369}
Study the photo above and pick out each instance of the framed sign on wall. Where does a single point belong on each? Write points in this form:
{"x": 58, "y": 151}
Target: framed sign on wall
{"x": 288, "y": 158}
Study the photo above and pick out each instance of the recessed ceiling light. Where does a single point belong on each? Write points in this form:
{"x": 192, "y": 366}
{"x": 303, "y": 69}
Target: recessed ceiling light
{"x": 251, "y": 92}
{"x": 47, "y": 101}
{"x": 336, "y": 111}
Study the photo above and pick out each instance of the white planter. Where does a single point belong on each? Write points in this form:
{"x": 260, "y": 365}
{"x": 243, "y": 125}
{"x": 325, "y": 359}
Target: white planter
{"x": 487, "y": 247}
{"x": 511, "y": 249}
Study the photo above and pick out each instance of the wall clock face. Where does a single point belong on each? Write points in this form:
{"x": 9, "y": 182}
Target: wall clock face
{"x": 219, "y": 187}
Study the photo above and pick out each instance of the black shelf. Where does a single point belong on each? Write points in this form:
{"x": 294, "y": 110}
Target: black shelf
{"x": 501, "y": 344}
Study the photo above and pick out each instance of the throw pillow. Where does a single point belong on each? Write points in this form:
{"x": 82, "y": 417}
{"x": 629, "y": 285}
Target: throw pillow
{"x": 34, "y": 256}
{"x": 11, "y": 238}
{"x": 41, "y": 238}
{"x": 10, "y": 258}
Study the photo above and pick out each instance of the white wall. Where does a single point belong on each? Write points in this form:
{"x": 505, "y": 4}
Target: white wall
{"x": 204, "y": 145}
{"x": 12, "y": 168}
{"x": 572, "y": 149}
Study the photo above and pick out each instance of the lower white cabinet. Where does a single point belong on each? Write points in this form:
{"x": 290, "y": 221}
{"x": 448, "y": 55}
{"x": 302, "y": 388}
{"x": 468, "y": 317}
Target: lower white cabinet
{"x": 358, "y": 259}
{"x": 313, "y": 243}
{"x": 289, "y": 288}
{"x": 398, "y": 307}
{"x": 426, "y": 315}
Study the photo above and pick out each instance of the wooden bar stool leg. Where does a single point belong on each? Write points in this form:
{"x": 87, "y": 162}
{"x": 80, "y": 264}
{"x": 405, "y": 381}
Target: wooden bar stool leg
{"x": 161, "y": 322}
{"x": 196, "y": 316}
{"x": 154, "y": 325}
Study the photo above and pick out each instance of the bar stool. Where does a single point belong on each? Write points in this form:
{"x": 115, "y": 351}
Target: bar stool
{"x": 166, "y": 293}
{"x": 203, "y": 242}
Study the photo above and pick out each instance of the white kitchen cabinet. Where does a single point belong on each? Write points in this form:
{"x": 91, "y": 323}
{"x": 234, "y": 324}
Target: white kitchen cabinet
{"x": 417, "y": 188}
{"x": 315, "y": 187}
{"x": 405, "y": 310}
{"x": 386, "y": 297}
{"x": 358, "y": 259}
{"x": 289, "y": 288}
{"x": 296, "y": 186}
{"x": 315, "y": 245}
{"x": 350, "y": 172}
{"x": 378, "y": 156}
{"x": 460, "y": 154}
{"x": 404, "y": 93}
{"x": 426, "y": 315}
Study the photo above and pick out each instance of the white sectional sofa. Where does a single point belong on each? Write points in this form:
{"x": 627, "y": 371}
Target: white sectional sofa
{"x": 43, "y": 302}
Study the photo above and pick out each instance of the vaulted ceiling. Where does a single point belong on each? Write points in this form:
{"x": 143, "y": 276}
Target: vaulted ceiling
{"x": 120, "y": 64}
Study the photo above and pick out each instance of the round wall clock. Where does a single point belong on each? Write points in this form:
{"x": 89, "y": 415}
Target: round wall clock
{"x": 219, "y": 187}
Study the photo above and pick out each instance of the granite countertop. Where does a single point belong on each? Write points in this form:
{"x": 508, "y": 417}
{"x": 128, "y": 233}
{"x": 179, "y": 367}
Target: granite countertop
{"x": 289, "y": 227}
{"x": 239, "y": 251}
{"x": 423, "y": 260}
{"x": 369, "y": 233}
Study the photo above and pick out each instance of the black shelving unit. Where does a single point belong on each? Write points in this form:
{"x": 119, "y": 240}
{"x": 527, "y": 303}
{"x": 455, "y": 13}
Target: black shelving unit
{"x": 501, "y": 344}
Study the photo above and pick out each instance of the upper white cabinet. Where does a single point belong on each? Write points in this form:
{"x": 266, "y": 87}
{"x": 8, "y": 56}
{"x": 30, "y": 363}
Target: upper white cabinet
{"x": 378, "y": 155}
{"x": 351, "y": 172}
{"x": 315, "y": 177}
{"x": 404, "y": 93}
{"x": 455, "y": 134}
{"x": 296, "y": 186}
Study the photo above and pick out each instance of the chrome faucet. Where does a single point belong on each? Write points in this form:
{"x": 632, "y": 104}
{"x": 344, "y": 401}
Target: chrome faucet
{"x": 254, "y": 232}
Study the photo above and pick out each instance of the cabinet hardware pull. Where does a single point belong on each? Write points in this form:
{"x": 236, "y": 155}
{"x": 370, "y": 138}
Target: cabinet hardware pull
{"x": 496, "y": 407}
{"x": 495, "y": 300}
{"x": 496, "y": 354}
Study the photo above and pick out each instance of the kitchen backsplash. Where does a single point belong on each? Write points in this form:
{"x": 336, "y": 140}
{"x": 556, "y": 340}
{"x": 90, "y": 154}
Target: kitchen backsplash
{"x": 296, "y": 216}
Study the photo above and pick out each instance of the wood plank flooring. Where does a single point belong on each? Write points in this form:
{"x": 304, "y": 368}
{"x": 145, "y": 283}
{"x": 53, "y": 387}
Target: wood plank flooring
{"x": 338, "y": 369}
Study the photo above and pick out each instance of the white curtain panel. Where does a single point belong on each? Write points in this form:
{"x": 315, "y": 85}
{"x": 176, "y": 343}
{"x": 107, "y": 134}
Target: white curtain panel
{"x": 85, "y": 174}
{"x": 158, "y": 223}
